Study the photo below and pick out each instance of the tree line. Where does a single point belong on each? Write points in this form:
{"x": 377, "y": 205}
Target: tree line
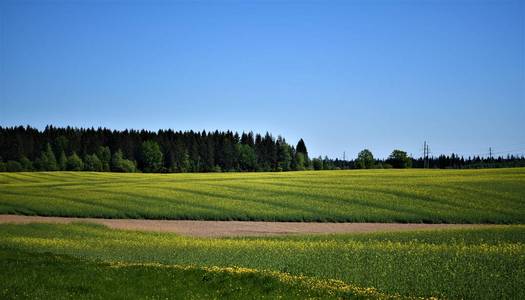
{"x": 400, "y": 159}
{"x": 102, "y": 149}
{"x": 167, "y": 151}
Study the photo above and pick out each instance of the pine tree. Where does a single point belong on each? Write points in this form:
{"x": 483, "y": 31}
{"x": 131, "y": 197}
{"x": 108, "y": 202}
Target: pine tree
{"x": 27, "y": 165}
{"x": 74, "y": 163}
{"x": 151, "y": 156}
{"x": 284, "y": 156}
{"x": 299, "y": 161}
{"x": 185, "y": 163}
{"x": 104, "y": 154}
{"x": 301, "y": 148}
{"x": 247, "y": 157}
{"x": 92, "y": 163}
{"x": 48, "y": 160}
{"x": 62, "y": 159}
{"x": 116, "y": 161}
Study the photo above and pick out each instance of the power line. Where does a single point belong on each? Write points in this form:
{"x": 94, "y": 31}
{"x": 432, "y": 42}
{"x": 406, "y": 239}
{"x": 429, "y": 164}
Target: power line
{"x": 490, "y": 153}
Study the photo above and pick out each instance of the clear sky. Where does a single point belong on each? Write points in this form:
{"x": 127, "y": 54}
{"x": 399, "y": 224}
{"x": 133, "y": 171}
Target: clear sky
{"x": 342, "y": 75}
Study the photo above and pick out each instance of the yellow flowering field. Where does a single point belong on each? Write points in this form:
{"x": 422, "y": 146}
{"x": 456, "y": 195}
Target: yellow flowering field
{"x": 430, "y": 196}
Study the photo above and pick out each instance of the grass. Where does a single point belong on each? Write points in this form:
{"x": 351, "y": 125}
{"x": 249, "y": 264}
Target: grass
{"x": 431, "y": 196}
{"x": 51, "y": 276}
{"x": 91, "y": 261}
{"x": 486, "y": 263}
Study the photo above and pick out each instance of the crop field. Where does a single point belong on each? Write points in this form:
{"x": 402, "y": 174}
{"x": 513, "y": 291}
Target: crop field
{"x": 85, "y": 260}
{"x": 430, "y": 196}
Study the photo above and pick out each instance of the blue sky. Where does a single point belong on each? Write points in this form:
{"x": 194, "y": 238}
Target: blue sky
{"x": 342, "y": 75}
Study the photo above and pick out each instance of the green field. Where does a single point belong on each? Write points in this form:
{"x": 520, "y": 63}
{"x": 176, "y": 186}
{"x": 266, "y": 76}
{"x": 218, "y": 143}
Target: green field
{"x": 433, "y": 196}
{"x": 54, "y": 261}
{"x": 49, "y": 276}
{"x": 91, "y": 261}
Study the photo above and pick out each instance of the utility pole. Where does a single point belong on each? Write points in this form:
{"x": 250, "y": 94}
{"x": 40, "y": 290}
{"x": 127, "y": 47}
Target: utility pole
{"x": 490, "y": 152}
{"x": 426, "y": 152}
{"x": 425, "y": 155}
{"x": 428, "y": 155}
{"x": 344, "y": 158}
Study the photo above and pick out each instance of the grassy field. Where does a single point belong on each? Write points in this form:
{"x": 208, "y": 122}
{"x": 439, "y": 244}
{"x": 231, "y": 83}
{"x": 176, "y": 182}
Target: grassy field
{"x": 50, "y": 276}
{"x": 92, "y": 261}
{"x": 434, "y": 196}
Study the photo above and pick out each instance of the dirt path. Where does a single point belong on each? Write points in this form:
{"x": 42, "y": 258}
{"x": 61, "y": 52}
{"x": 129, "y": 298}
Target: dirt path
{"x": 231, "y": 228}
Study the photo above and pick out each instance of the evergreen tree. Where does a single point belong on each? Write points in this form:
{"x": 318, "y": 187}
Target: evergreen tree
{"x": 74, "y": 163}
{"x": 299, "y": 161}
{"x": 62, "y": 160}
{"x": 27, "y": 165}
{"x": 327, "y": 164}
{"x": 284, "y": 156}
{"x": 104, "y": 154}
{"x": 60, "y": 145}
{"x": 48, "y": 160}
{"x": 13, "y": 166}
{"x": 185, "y": 163}
{"x": 170, "y": 163}
{"x": 116, "y": 161}
{"x": 151, "y": 156}
{"x": 317, "y": 163}
{"x": 191, "y": 151}
{"x": 247, "y": 158}
{"x": 92, "y": 163}
{"x": 301, "y": 148}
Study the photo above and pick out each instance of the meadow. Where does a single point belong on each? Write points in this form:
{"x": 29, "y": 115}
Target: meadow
{"x": 91, "y": 261}
{"x": 430, "y": 196}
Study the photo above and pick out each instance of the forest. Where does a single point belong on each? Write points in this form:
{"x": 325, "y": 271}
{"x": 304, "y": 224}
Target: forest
{"x": 167, "y": 151}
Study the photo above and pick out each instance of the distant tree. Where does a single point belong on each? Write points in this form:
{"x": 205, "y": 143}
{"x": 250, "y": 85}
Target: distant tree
{"x": 247, "y": 139}
{"x": 48, "y": 161}
{"x": 3, "y": 167}
{"x": 151, "y": 156}
{"x": 116, "y": 161}
{"x": 13, "y": 166}
{"x": 185, "y": 163}
{"x": 104, "y": 154}
{"x": 284, "y": 155}
{"x": 365, "y": 159}
{"x": 60, "y": 144}
{"x": 128, "y": 166}
{"x": 202, "y": 151}
{"x": 119, "y": 164}
{"x": 261, "y": 153}
{"x": 27, "y": 165}
{"x": 74, "y": 163}
{"x": 327, "y": 164}
{"x": 62, "y": 160}
{"x": 317, "y": 163}
{"x": 387, "y": 166}
{"x": 399, "y": 159}
{"x": 299, "y": 161}
{"x": 92, "y": 163}
{"x": 247, "y": 157}
{"x": 301, "y": 148}
{"x": 170, "y": 163}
